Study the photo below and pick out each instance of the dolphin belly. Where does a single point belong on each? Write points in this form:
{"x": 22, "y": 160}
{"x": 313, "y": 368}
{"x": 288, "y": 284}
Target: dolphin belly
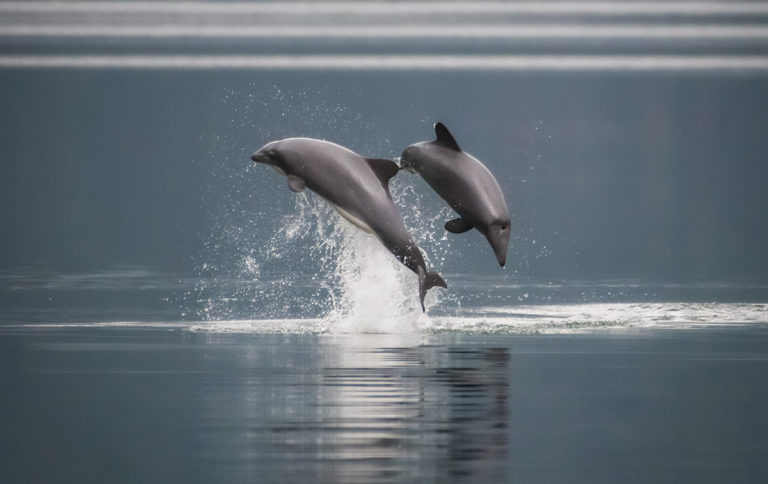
{"x": 353, "y": 220}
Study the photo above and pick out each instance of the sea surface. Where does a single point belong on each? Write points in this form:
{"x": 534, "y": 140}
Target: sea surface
{"x": 170, "y": 312}
{"x": 160, "y": 402}
{"x": 102, "y": 379}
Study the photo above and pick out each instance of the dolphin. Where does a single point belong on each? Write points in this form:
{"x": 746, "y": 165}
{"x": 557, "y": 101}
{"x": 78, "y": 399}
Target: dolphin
{"x": 357, "y": 187}
{"x": 466, "y": 184}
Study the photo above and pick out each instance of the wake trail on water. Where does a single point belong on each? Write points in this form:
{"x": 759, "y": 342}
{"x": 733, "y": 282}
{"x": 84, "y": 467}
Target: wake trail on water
{"x": 299, "y": 267}
{"x": 275, "y": 262}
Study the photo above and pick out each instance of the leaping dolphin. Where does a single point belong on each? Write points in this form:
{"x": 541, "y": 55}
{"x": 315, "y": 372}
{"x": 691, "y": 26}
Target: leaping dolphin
{"x": 466, "y": 184}
{"x": 357, "y": 187}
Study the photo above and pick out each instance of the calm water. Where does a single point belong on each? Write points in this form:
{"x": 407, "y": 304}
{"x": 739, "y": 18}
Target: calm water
{"x": 164, "y": 404}
{"x": 103, "y": 379}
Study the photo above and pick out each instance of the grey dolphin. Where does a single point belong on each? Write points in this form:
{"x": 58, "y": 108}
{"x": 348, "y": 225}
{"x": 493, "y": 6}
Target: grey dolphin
{"x": 466, "y": 184}
{"x": 357, "y": 187}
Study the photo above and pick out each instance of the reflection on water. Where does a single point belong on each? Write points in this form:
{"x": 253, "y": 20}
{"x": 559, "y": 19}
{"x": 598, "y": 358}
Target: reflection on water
{"x": 382, "y": 407}
{"x": 152, "y": 405}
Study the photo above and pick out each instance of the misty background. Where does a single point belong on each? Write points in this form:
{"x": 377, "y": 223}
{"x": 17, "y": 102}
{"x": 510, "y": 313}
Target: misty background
{"x": 621, "y": 166}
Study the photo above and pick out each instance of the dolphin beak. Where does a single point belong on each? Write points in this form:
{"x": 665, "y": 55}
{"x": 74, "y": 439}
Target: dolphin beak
{"x": 259, "y": 157}
{"x": 501, "y": 256}
{"x": 499, "y": 240}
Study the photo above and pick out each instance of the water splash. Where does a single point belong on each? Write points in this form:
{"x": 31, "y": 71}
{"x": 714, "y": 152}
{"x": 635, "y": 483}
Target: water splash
{"x": 317, "y": 265}
{"x": 269, "y": 260}
{"x": 374, "y": 293}
{"x": 266, "y": 260}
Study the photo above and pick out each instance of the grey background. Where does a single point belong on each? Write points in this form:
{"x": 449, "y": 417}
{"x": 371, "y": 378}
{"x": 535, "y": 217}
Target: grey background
{"x": 653, "y": 175}
{"x": 608, "y": 173}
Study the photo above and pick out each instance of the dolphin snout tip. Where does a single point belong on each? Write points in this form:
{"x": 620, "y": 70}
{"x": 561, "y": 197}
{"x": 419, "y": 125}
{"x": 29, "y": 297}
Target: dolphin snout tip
{"x": 498, "y": 237}
{"x": 261, "y": 156}
{"x": 501, "y": 255}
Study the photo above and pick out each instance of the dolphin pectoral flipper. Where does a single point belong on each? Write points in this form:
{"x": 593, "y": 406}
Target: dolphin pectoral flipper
{"x": 445, "y": 138}
{"x": 296, "y": 184}
{"x": 458, "y": 226}
{"x": 384, "y": 170}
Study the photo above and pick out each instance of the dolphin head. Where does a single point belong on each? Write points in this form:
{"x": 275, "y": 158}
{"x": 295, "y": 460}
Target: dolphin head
{"x": 270, "y": 156}
{"x": 498, "y": 236}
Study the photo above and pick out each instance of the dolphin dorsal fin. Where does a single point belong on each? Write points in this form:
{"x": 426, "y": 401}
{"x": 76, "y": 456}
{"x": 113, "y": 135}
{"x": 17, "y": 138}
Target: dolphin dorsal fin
{"x": 384, "y": 170}
{"x": 445, "y": 138}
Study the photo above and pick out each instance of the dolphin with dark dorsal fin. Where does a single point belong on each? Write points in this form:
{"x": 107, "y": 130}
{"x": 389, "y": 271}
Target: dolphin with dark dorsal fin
{"x": 357, "y": 187}
{"x": 466, "y": 184}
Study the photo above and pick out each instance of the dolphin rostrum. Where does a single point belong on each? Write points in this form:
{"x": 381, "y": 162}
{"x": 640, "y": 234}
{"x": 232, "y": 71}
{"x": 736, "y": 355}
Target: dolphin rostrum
{"x": 466, "y": 184}
{"x": 357, "y": 187}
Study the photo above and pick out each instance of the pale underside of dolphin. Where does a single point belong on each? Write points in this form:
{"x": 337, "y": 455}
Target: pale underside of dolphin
{"x": 466, "y": 184}
{"x": 357, "y": 187}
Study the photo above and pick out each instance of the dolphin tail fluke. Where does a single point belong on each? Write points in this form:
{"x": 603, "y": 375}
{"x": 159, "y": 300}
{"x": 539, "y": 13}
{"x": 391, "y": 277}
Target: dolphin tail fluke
{"x": 428, "y": 281}
{"x": 433, "y": 279}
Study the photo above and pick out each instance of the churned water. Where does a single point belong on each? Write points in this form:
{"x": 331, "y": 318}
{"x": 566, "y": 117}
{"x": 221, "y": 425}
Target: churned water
{"x": 319, "y": 274}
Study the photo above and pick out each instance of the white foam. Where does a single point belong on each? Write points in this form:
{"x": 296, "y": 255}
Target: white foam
{"x": 569, "y": 318}
{"x": 367, "y": 315}
{"x": 377, "y": 293}
{"x": 328, "y": 269}
{"x": 370, "y": 291}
